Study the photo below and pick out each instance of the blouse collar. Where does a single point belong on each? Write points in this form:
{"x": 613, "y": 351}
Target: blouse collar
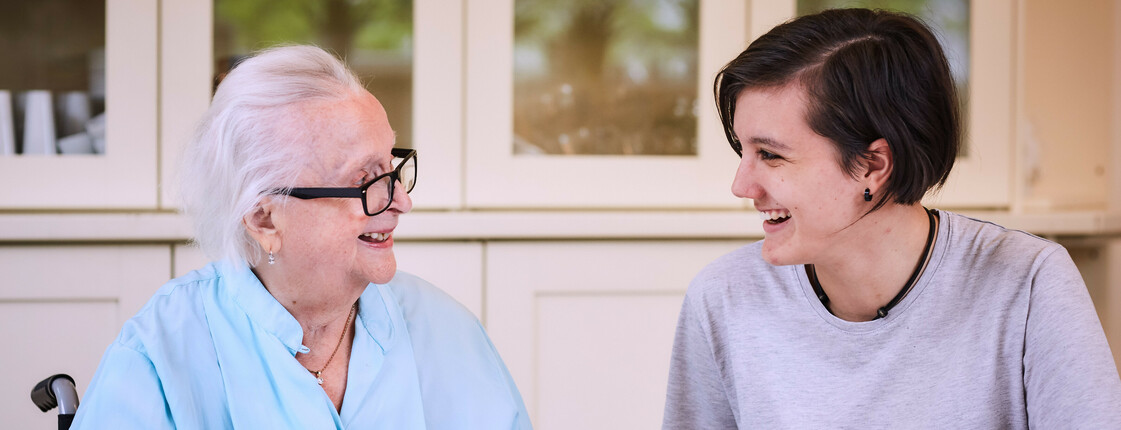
{"x": 378, "y": 309}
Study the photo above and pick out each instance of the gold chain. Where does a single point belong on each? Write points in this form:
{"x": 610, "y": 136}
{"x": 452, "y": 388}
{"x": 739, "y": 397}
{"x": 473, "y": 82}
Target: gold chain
{"x": 346, "y": 328}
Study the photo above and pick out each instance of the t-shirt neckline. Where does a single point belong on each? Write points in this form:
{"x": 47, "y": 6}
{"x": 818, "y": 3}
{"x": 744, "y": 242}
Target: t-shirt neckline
{"x": 941, "y": 244}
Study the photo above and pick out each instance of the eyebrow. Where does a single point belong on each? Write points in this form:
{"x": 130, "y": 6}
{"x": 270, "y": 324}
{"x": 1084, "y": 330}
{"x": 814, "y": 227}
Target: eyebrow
{"x": 766, "y": 141}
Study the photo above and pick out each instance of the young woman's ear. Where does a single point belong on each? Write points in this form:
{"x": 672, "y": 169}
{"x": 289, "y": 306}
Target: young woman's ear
{"x": 878, "y": 165}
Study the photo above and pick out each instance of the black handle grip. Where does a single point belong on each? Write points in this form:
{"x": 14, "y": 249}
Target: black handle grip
{"x": 42, "y": 394}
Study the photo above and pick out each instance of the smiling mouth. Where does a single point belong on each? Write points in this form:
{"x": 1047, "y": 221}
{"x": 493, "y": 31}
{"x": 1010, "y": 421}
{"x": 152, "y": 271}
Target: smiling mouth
{"x": 775, "y": 216}
{"x": 375, "y": 237}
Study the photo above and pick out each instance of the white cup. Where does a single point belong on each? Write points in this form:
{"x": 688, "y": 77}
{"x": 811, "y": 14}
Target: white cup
{"x": 95, "y": 127}
{"x": 80, "y": 143}
{"x": 38, "y": 128}
{"x": 7, "y": 124}
{"x": 72, "y": 111}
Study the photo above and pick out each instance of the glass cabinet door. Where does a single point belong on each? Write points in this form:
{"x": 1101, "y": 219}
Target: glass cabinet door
{"x": 598, "y": 104}
{"x": 78, "y": 105}
{"x": 979, "y": 37}
{"x": 407, "y": 51}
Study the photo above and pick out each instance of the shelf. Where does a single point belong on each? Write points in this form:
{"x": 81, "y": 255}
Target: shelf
{"x": 508, "y": 225}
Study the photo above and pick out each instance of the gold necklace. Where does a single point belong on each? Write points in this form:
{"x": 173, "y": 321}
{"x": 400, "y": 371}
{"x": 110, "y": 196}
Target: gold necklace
{"x": 346, "y": 328}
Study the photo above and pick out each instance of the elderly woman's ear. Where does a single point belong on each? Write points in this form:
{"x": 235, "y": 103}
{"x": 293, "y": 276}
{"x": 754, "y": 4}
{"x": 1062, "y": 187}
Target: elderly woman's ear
{"x": 261, "y": 225}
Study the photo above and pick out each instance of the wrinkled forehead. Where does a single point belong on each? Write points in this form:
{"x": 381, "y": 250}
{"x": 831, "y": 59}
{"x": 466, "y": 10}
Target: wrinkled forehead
{"x": 340, "y": 137}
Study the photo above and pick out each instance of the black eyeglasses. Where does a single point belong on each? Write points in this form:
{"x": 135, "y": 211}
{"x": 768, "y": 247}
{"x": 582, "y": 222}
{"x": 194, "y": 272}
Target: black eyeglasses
{"x": 377, "y": 193}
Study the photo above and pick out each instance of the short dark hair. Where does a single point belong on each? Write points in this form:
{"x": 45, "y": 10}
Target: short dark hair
{"x": 868, "y": 74}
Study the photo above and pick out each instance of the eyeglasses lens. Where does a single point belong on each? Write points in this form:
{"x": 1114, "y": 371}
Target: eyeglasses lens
{"x": 408, "y": 174}
{"x": 378, "y": 196}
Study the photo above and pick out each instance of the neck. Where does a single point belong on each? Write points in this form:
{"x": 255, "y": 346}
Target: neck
{"x": 869, "y": 269}
{"x": 320, "y": 306}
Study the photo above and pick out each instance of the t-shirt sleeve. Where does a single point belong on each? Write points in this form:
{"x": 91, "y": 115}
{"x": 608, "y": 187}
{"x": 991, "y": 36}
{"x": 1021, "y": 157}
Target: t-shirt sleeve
{"x": 125, "y": 393}
{"x": 695, "y": 397}
{"x": 1069, "y": 374}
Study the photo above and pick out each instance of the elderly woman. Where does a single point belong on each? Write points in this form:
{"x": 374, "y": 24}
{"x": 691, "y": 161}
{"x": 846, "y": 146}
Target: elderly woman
{"x": 861, "y": 308}
{"x": 303, "y": 321}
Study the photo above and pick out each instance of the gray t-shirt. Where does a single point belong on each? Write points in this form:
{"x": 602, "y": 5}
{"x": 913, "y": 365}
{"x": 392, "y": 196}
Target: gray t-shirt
{"x": 998, "y": 332}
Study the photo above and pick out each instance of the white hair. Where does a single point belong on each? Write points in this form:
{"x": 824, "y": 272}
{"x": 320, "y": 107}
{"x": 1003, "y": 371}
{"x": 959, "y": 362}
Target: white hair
{"x": 245, "y": 145}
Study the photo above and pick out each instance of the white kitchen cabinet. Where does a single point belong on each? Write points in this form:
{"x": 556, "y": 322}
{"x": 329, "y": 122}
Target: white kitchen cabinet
{"x": 125, "y": 176}
{"x": 60, "y": 308}
{"x": 586, "y": 328}
{"x": 497, "y": 176}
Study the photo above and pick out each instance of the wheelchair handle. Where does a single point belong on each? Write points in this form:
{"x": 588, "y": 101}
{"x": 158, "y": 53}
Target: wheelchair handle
{"x": 57, "y": 390}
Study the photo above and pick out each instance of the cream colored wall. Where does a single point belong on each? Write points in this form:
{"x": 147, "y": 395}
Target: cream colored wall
{"x": 1068, "y": 88}
{"x": 1115, "y": 149}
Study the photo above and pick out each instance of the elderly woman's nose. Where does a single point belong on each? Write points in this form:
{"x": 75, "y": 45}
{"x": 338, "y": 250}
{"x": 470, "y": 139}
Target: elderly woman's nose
{"x": 402, "y": 202}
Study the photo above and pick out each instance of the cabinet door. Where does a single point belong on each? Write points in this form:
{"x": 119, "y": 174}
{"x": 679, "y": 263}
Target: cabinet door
{"x": 124, "y": 176}
{"x": 982, "y": 175}
{"x": 512, "y": 163}
{"x": 187, "y": 76}
{"x": 586, "y": 328}
{"x": 60, "y": 307}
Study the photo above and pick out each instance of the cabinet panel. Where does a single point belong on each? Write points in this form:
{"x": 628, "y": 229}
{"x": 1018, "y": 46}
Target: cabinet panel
{"x": 456, "y": 268}
{"x": 1066, "y": 107}
{"x": 618, "y": 344}
{"x": 61, "y": 306}
{"x": 186, "y": 71}
{"x": 618, "y": 301}
{"x": 125, "y": 275}
{"x": 66, "y": 337}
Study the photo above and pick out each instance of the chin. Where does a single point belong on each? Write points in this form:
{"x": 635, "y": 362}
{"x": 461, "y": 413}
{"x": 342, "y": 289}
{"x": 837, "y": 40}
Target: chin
{"x": 776, "y": 257}
{"x": 383, "y": 277}
{"x": 383, "y": 271}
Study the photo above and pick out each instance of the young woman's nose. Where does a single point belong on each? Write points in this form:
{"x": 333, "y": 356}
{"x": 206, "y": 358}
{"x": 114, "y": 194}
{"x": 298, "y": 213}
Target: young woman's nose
{"x": 746, "y": 184}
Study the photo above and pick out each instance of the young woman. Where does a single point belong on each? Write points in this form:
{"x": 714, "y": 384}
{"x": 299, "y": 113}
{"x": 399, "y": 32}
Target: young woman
{"x": 861, "y": 307}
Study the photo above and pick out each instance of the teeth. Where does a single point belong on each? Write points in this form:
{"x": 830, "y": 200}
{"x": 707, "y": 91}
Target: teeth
{"x": 380, "y": 237}
{"x": 773, "y": 215}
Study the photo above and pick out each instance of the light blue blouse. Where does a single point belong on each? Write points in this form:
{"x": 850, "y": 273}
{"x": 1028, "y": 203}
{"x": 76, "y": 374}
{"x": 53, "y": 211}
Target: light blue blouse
{"x": 214, "y": 350}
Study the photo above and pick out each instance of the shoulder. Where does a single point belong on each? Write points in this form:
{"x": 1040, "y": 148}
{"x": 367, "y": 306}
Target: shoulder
{"x": 177, "y": 305}
{"x": 742, "y": 271}
{"x": 435, "y": 319}
{"x": 986, "y": 243}
{"x": 421, "y": 301}
{"x": 730, "y": 265}
{"x": 463, "y": 375}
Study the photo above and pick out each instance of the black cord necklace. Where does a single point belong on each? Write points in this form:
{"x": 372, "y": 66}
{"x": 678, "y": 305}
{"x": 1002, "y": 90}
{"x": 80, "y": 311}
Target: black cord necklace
{"x": 811, "y": 273}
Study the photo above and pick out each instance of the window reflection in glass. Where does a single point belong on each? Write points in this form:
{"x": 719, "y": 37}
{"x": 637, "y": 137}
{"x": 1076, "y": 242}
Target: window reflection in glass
{"x": 605, "y": 77}
{"x": 52, "y": 77}
{"x": 374, "y": 37}
{"x": 948, "y": 18}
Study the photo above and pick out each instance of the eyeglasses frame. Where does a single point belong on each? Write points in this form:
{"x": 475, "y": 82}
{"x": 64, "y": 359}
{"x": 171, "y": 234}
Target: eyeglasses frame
{"x": 359, "y": 192}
